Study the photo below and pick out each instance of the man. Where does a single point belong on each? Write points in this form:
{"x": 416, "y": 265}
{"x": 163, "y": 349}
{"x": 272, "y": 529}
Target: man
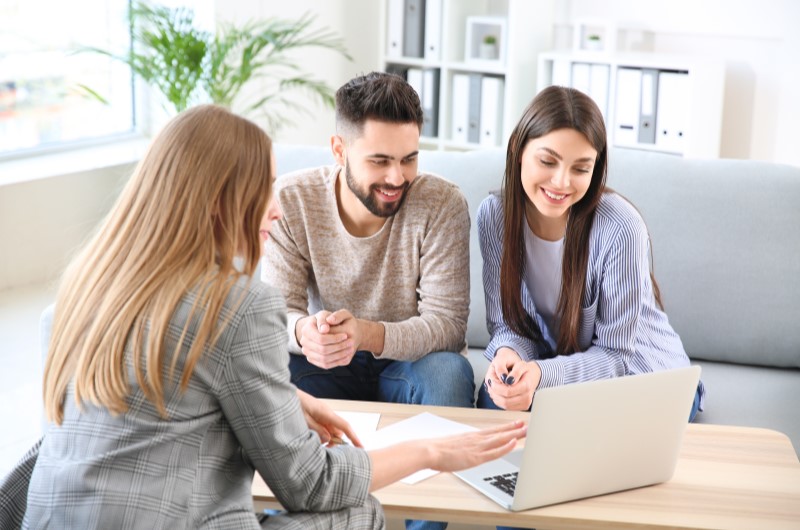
{"x": 373, "y": 260}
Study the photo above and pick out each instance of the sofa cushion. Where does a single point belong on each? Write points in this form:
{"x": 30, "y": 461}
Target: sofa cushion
{"x": 726, "y": 251}
{"x": 725, "y": 243}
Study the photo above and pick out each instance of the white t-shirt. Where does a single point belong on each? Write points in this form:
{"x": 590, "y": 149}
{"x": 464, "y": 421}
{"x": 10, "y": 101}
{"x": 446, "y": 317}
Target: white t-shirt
{"x": 543, "y": 275}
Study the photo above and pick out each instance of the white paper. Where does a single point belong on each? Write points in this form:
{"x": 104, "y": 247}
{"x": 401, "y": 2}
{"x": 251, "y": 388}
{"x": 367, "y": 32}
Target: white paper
{"x": 421, "y": 426}
{"x": 364, "y": 423}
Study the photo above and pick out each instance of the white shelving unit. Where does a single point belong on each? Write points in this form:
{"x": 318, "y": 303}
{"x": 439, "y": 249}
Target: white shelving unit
{"x": 524, "y": 28}
{"x": 679, "y": 97}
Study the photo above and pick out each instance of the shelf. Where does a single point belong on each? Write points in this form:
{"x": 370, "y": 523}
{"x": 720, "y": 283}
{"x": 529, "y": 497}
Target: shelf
{"x": 654, "y": 102}
{"x": 521, "y": 29}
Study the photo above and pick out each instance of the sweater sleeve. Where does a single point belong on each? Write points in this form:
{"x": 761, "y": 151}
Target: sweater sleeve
{"x": 490, "y": 236}
{"x": 262, "y": 408}
{"x": 443, "y": 290}
{"x": 286, "y": 267}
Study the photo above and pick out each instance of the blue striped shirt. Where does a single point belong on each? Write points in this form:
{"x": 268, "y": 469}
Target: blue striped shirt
{"x": 622, "y": 330}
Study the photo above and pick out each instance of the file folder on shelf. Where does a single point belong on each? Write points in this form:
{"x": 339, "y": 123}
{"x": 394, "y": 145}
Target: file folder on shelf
{"x": 394, "y": 30}
{"x": 430, "y": 102}
{"x": 628, "y": 103}
{"x": 474, "y": 122}
{"x": 598, "y": 87}
{"x": 460, "y": 109}
{"x": 672, "y": 111}
{"x": 491, "y": 122}
{"x": 580, "y": 77}
{"x": 433, "y": 29}
{"x": 414, "y": 78}
{"x": 647, "y": 110}
{"x": 562, "y": 72}
{"x": 414, "y": 28}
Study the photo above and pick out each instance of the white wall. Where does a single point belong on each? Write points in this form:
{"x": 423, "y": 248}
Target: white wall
{"x": 759, "y": 41}
{"x": 43, "y": 221}
{"x": 356, "y": 21}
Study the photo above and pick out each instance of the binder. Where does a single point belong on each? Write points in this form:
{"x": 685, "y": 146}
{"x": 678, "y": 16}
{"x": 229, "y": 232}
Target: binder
{"x": 414, "y": 78}
{"x": 672, "y": 111}
{"x": 460, "y": 110}
{"x": 598, "y": 87}
{"x": 491, "y": 122}
{"x": 433, "y": 29}
{"x": 647, "y": 110}
{"x": 474, "y": 122}
{"x": 628, "y": 102}
{"x": 397, "y": 69}
{"x": 414, "y": 28}
{"x": 562, "y": 72}
{"x": 394, "y": 28}
{"x": 580, "y": 77}
{"x": 430, "y": 102}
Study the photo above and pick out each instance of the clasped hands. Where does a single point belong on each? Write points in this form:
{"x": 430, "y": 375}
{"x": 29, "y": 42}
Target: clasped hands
{"x": 511, "y": 381}
{"x": 330, "y": 339}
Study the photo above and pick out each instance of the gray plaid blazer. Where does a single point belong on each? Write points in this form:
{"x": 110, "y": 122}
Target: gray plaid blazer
{"x": 239, "y": 413}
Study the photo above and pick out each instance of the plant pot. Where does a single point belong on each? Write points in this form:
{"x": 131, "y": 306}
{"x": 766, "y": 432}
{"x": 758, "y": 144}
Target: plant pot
{"x": 487, "y": 51}
{"x": 593, "y": 45}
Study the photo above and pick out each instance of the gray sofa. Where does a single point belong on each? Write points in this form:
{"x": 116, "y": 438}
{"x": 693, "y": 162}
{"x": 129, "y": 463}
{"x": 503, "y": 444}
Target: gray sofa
{"x": 726, "y": 248}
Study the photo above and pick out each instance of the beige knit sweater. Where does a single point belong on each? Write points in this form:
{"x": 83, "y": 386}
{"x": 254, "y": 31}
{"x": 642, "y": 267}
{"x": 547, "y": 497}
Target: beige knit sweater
{"x": 412, "y": 275}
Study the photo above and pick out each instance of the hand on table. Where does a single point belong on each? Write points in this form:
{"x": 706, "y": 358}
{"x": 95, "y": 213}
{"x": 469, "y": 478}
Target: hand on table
{"x": 321, "y": 419}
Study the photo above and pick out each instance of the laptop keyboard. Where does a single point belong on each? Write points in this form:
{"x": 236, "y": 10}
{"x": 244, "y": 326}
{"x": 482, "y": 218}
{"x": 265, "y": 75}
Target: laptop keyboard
{"x": 506, "y": 482}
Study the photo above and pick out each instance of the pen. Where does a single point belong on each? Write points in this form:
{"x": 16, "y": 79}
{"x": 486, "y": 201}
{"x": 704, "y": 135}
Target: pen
{"x": 335, "y": 440}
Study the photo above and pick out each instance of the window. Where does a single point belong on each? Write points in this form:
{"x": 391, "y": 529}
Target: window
{"x": 42, "y": 100}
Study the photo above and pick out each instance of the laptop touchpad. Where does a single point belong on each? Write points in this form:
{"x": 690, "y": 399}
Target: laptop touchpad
{"x": 514, "y": 457}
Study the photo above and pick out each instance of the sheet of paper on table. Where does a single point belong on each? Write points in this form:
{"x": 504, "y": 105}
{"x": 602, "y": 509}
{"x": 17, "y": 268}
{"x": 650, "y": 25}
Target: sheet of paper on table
{"x": 421, "y": 426}
{"x": 364, "y": 423}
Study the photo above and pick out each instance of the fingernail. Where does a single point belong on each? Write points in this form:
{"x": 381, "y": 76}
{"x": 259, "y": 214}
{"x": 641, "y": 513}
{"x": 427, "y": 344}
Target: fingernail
{"x": 510, "y": 380}
{"x": 503, "y": 377}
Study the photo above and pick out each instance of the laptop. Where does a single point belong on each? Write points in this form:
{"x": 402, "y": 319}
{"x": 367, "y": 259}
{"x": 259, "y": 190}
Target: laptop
{"x": 593, "y": 438}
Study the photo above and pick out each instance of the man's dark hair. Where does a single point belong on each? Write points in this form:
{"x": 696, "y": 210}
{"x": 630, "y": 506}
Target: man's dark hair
{"x": 376, "y": 96}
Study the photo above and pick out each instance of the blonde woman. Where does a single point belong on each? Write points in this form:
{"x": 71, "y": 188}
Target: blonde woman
{"x": 167, "y": 376}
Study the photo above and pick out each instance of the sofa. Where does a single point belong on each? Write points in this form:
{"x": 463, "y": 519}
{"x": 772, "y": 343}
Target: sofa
{"x": 726, "y": 253}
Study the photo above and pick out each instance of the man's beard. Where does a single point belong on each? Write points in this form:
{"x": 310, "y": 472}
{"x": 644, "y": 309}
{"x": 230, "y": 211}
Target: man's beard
{"x": 367, "y": 197}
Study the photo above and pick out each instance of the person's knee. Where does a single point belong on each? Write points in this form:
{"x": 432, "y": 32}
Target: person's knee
{"x": 445, "y": 378}
{"x": 452, "y": 367}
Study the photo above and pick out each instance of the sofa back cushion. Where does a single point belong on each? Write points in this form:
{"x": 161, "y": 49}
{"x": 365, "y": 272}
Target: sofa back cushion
{"x": 726, "y": 243}
{"x": 726, "y": 247}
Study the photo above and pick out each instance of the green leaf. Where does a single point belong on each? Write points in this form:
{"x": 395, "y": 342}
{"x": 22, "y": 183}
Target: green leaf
{"x": 189, "y": 66}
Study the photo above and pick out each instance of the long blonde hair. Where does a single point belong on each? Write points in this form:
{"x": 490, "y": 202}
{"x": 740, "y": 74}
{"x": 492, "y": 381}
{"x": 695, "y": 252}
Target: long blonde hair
{"x": 194, "y": 202}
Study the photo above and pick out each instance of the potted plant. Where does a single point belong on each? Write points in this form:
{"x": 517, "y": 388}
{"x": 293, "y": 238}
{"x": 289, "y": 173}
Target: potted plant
{"x": 488, "y": 47}
{"x": 188, "y": 66}
{"x": 594, "y": 42}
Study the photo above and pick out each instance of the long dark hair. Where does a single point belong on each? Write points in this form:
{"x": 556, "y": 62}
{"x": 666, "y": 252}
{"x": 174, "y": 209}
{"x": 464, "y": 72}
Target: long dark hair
{"x": 553, "y": 108}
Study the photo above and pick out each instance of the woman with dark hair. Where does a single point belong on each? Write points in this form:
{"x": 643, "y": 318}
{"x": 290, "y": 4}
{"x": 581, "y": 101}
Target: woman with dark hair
{"x": 570, "y": 296}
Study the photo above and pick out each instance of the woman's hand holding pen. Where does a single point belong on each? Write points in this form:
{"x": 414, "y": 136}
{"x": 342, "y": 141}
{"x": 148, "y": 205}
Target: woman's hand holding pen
{"x": 324, "y": 421}
{"x": 511, "y": 381}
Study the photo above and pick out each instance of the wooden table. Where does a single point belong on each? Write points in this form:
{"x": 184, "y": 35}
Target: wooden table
{"x": 726, "y": 478}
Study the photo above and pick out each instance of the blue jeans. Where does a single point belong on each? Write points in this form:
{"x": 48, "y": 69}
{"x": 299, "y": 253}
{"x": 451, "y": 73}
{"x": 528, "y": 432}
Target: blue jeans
{"x": 438, "y": 378}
